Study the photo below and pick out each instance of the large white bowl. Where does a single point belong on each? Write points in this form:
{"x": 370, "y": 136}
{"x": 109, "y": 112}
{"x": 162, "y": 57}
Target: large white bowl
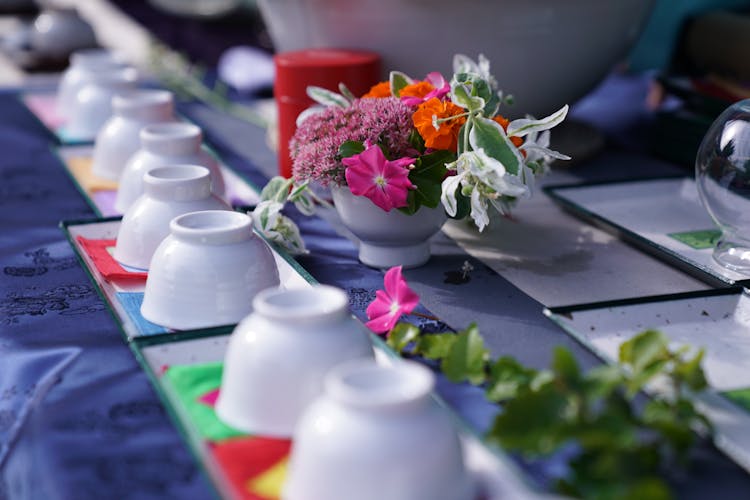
{"x": 207, "y": 271}
{"x": 169, "y": 192}
{"x": 377, "y": 434}
{"x": 278, "y": 357}
{"x": 545, "y": 52}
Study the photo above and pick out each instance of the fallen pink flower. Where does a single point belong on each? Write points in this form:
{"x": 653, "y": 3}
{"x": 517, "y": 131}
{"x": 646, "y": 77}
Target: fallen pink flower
{"x": 389, "y": 305}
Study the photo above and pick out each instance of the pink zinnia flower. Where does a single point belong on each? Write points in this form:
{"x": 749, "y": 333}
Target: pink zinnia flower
{"x": 386, "y": 183}
{"x": 389, "y": 305}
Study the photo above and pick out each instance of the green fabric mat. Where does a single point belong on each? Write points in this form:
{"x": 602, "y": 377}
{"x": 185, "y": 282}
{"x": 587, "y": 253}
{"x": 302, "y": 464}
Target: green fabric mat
{"x": 740, "y": 397}
{"x": 699, "y": 240}
{"x": 190, "y": 383}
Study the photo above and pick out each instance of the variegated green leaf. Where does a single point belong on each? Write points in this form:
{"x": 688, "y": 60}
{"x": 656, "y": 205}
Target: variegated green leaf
{"x": 326, "y": 97}
{"x": 525, "y": 126}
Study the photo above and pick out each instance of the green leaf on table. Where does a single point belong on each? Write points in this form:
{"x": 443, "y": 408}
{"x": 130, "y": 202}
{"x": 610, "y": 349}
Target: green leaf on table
{"x": 350, "y": 148}
{"x": 507, "y": 378}
{"x": 644, "y": 349}
{"x": 467, "y": 357}
{"x": 602, "y": 380}
{"x": 691, "y": 372}
{"x": 531, "y": 423}
{"x": 490, "y": 136}
{"x": 401, "y": 335}
{"x": 565, "y": 367}
{"x": 435, "y": 345}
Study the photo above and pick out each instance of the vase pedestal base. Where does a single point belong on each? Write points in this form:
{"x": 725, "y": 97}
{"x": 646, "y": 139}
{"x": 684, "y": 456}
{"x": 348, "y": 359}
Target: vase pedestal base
{"x": 384, "y": 257}
{"x": 733, "y": 255}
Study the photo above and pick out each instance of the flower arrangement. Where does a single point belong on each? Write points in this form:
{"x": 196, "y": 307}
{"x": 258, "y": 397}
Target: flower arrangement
{"x": 410, "y": 143}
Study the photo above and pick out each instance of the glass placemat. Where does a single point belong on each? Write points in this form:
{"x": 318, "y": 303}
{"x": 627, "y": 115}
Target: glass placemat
{"x": 186, "y": 371}
{"x": 119, "y": 294}
{"x": 661, "y": 216}
{"x": 101, "y": 193}
{"x": 715, "y": 320}
{"x": 43, "y": 105}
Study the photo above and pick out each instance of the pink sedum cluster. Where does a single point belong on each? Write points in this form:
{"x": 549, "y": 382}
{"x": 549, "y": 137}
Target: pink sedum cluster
{"x": 314, "y": 146}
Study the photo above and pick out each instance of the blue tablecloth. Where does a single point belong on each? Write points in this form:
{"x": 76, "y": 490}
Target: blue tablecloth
{"x": 78, "y": 417}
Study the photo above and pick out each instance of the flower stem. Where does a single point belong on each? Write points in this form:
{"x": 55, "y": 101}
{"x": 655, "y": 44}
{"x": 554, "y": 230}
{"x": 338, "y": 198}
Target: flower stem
{"x": 425, "y": 316}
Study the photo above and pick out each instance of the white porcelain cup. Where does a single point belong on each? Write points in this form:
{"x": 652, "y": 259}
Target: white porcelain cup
{"x": 165, "y": 144}
{"x": 119, "y": 138}
{"x": 207, "y": 271}
{"x": 279, "y": 355}
{"x": 83, "y": 64}
{"x": 93, "y": 102}
{"x": 169, "y": 191}
{"x": 376, "y": 433}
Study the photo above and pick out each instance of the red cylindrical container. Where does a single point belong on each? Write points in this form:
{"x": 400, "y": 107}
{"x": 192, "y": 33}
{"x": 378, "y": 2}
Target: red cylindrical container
{"x": 295, "y": 71}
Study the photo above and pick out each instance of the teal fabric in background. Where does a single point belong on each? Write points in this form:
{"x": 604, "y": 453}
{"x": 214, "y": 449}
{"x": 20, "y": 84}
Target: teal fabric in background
{"x": 655, "y": 47}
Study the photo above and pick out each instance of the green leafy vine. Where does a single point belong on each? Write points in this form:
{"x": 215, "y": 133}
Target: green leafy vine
{"x": 623, "y": 449}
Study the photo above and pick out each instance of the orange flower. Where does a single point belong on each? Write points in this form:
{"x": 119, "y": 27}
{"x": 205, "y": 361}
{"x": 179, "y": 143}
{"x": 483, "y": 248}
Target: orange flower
{"x": 417, "y": 89}
{"x": 382, "y": 89}
{"x": 446, "y": 135}
{"x": 504, "y": 122}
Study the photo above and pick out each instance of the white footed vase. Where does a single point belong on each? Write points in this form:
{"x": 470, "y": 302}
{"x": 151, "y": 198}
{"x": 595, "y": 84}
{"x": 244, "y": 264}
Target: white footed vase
{"x": 207, "y": 271}
{"x": 168, "y": 192}
{"x": 376, "y": 433}
{"x": 165, "y": 144}
{"x": 92, "y": 106}
{"x": 83, "y": 65}
{"x": 279, "y": 355}
{"x": 388, "y": 239}
{"x": 119, "y": 138}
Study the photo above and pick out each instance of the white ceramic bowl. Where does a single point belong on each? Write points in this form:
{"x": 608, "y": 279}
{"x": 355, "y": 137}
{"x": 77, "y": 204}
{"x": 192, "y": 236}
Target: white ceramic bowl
{"x": 119, "y": 138}
{"x": 545, "y": 52}
{"x": 165, "y": 144}
{"x": 376, "y": 433}
{"x": 93, "y": 102}
{"x": 278, "y": 356}
{"x": 83, "y": 64}
{"x": 207, "y": 271}
{"x": 169, "y": 192}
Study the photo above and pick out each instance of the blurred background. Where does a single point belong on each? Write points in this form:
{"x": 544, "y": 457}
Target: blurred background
{"x": 695, "y": 54}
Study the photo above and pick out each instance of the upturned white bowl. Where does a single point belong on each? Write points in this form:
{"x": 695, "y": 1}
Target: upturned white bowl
{"x": 278, "y": 356}
{"x": 207, "y": 271}
{"x": 165, "y": 144}
{"x": 169, "y": 191}
{"x": 93, "y": 102}
{"x": 546, "y": 53}
{"x": 119, "y": 138}
{"x": 376, "y": 433}
{"x": 83, "y": 64}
